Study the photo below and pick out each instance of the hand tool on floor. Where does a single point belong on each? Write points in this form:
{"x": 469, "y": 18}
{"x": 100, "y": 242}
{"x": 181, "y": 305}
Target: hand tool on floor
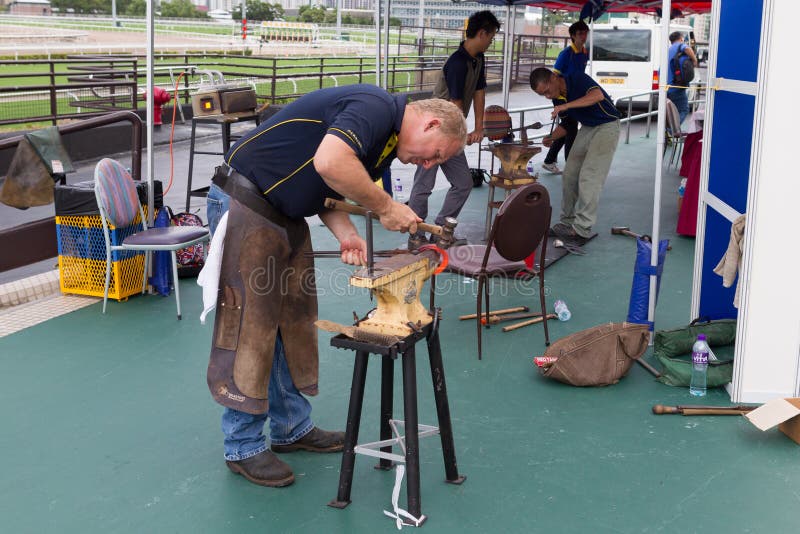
{"x": 494, "y": 319}
{"x": 650, "y": 369}
{"x": 569, "y": 247}
{"x": 495, "y": 312}
{"x": 625, "y": 230}
{"x": 740, "y": 409}
{"x": 529, "y": 322}
{"x": 445, "y": 232}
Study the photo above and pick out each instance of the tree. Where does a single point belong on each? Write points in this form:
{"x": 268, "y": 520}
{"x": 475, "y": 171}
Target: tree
{"x": 552, "y": 18}
{"x": 83, "y": 6}
{"x": 311, "y": 14}
{"x": 181, "y": 9}
{"x": 257, "y": 10}
{"x": 135, "y": 8}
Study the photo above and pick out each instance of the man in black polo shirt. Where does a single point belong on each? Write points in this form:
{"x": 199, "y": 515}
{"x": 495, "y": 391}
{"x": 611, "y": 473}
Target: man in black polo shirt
{"x": 329, "y": 143}
{"x": 463, "y": 82}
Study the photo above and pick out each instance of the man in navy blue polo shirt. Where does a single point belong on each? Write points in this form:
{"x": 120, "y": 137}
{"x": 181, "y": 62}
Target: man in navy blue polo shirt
{"x": 570, "y": 60}
{"x": 329, "y": 143}
{"x": 591, "y": 155}
{"x": 463, "y": 82}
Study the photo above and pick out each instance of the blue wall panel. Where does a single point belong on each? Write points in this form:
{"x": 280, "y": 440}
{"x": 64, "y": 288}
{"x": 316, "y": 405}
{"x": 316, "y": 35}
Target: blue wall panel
{"x": 729, "y": 166}
{"x": 739, "y": 38}
{"x": 716, "y": 302}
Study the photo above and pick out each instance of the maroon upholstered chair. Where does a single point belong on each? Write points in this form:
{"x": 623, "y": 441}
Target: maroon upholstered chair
{"x": 519, "y": 229}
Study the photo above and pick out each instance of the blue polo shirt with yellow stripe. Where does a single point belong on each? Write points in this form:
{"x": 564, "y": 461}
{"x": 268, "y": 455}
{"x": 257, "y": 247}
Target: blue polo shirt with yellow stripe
{"x": 278, "y": 156}
{"x": 578, "y": 85}
{"x": 571, "y": 60}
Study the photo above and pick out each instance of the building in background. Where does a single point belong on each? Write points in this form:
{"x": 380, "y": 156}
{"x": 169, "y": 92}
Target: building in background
{"x": 30, "y": 7}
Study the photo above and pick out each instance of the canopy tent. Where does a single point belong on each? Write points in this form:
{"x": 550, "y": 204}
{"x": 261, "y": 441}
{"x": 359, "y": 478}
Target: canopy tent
{"x": 626, "y": 6}
{"x": 593, "y": 9}
{"x": 594, "y": 6}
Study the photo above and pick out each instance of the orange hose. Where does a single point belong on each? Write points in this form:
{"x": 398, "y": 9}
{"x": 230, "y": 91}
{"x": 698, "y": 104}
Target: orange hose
{"x": 172, "y": 135}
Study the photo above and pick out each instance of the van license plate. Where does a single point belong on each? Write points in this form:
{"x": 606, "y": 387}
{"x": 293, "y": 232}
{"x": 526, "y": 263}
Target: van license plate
{"x": 618, "y": 81}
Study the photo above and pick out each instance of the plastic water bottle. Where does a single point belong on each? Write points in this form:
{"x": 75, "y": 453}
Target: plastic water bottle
{"x": 562, "y": 311}
{"x": 530, "y": 166}
{"x": 399, "y": 195}
{"x": 697, "y": 386}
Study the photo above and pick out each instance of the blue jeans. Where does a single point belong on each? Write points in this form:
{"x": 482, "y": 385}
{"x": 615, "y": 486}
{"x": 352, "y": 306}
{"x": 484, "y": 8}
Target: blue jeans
{"x": 289, "y": 415}
{"x": 289, "y": 412}
{"x": 217, "y": 203}
{"x": 681, "y": 101}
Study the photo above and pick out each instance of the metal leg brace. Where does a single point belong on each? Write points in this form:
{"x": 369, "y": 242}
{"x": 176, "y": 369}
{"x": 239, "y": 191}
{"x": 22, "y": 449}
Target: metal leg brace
{"x": 389, "y": 428}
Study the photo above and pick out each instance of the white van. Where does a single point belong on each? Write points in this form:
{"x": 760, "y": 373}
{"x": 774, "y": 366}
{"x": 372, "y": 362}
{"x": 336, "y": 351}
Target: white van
{"x": 626, "y": 57}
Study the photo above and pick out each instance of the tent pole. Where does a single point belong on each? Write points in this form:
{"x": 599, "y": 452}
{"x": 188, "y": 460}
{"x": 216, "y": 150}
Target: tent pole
{"x": 387, "y": 9}
{"x": 591, "y": 48}
{"x": 666, "y": 9}
{"x": 506, "y": 58}
{"x": 149, "y": 169}
{"x": 378, "y": 43}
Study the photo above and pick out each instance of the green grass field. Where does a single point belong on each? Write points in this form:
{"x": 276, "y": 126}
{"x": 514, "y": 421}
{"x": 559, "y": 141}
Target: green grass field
{"x": 292, "y": 76}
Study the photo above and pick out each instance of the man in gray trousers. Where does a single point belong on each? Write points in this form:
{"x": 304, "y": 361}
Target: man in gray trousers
{"x": 590, "y": 159}
{"x": 463, "y": 82}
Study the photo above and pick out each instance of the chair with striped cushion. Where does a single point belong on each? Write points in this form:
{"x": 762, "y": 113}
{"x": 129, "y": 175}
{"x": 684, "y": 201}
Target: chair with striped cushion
{"x": 119, "y": 206}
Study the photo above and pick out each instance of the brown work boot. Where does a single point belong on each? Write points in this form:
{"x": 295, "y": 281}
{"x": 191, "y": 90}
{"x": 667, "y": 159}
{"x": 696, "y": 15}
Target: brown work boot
{"x": 264, "y": 469}
{"x": 315, "y": 441}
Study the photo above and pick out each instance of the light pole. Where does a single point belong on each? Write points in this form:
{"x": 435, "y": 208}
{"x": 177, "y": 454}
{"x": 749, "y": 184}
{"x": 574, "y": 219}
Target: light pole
{"x": 114, "y": 13}
{"x": 338, "y": 19}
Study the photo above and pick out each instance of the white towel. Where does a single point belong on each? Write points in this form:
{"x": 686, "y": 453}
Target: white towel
{"x": 731, "y": 261}
{"x": 208, "y": 278}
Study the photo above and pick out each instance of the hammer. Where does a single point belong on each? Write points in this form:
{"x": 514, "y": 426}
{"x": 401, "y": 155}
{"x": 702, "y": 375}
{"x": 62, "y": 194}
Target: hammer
{"x": 445, "y": 232}
{"x": 625, "y": 230}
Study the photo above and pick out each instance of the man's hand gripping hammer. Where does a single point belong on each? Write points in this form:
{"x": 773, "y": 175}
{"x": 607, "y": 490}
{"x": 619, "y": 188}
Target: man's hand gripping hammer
{"x": 445, "y": 232}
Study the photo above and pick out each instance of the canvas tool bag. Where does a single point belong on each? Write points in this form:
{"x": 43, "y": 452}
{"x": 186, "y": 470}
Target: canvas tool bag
{"x": 38, "y": 159}
{"x": 598, "y": 356}
{"x": 673, "y": 350}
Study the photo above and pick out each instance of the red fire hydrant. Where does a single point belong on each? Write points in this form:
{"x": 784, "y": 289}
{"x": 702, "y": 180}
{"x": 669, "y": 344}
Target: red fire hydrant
{"x": 160, "y": 97}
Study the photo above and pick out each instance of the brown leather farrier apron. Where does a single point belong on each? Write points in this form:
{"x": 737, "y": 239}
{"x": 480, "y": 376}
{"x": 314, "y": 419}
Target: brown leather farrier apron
{"x": 266, "y": 284}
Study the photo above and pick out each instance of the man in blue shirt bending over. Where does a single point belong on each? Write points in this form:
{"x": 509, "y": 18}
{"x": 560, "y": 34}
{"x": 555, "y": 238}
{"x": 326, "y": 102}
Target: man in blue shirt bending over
{"x": 264, "y": 359}
{"x": 590, "y": 159}
{"x": 570, "y": 60}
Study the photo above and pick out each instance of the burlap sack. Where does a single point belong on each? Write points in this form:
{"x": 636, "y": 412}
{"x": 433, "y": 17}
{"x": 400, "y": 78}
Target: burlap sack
{"x": 598, "y": 356}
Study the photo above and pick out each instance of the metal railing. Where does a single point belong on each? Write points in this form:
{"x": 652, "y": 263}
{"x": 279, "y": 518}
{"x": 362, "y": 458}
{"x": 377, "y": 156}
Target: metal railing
{"x": 112, "y": 82}
{"x": 74, "y": 89}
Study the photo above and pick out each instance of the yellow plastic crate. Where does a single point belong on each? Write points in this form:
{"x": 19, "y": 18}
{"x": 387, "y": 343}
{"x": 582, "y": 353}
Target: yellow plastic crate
{"x": 82, "y": 253}
{"x": 84, "y": 276}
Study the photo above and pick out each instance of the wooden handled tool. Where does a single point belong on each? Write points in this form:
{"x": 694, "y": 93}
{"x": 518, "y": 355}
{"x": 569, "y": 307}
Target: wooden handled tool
{"x": 377, "y": 253}
{"x": 354, "y": 209}
{"x": 514, "y": 326}
{"x": 495, "y": 312}
{"x": 660, "y": 409}
{"x": 494, "y": 319}
{"x": 625, "y": 230}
